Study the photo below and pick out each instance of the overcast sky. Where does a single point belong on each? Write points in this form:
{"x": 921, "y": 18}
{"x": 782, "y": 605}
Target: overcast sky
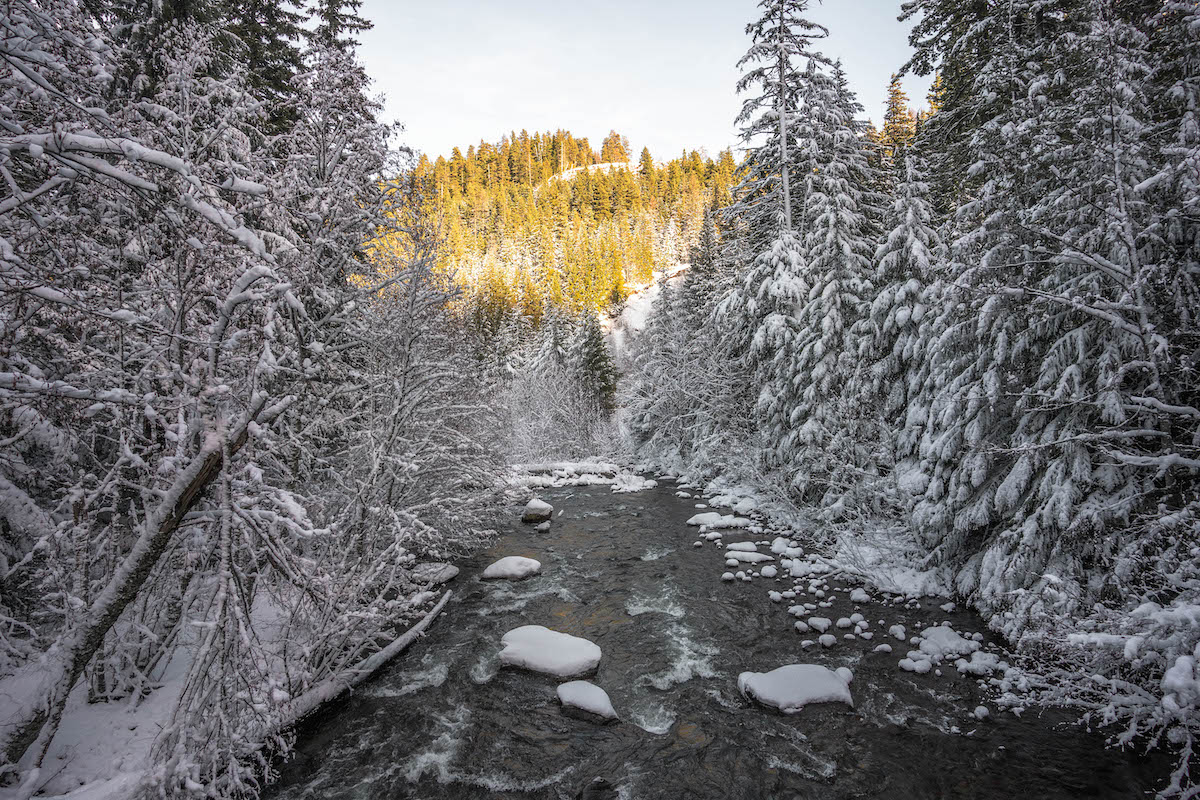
{"x": 661, "y": 72}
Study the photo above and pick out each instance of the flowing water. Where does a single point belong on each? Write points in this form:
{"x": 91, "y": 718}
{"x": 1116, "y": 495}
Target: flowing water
{"x": 443, "y": 721}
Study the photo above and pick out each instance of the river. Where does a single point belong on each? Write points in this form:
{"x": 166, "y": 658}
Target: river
{"x": 443, "y": 721}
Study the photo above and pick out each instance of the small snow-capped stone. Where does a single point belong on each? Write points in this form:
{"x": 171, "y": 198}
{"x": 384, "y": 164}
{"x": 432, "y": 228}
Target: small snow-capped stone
{"x": 697, "y": 544}
{"x": 866, "y": 635}
{"x": 920, "y": 667}
{"x": 537, "y": 511}
{"x": 731, "y": 562}
{"x": 981, "y": 713}
{"x": 882, "y": 648}
{"x": 769, "y": 571}
{"x": 775, "y": 596}
{"x": 859, "y": 596}
{"x": 947, "y": 607}
{"x": 741, "y": 576}
{"x": 511, "y": 568}
{"x": 844, "y": 622}
{"x": 827, "y": 640}
{"x": 745, "y": 547}
{"x": 543, "y": 526}
{"x": 586, "y": 696}
{"x": 801, "y": 626}
{"x": 857, "y": 618}
{"x": 897, "y": 631}
{"x": 789, "y": 594}
{"x": 820, "y": 624}
{"x": 845, "y": 674}
{"x": 728, "y": 576}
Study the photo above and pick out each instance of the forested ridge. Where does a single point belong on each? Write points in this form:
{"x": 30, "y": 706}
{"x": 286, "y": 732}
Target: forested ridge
{"x": 264, "y": 369}
{"x": 542, "y": 221}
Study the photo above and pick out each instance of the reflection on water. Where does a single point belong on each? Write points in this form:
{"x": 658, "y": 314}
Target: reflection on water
{"x": 445, "y": 721}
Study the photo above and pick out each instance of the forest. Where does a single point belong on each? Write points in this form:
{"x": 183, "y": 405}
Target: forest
{"x": 265, "y": 370}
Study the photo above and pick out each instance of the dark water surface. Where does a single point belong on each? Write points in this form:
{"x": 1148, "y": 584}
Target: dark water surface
{"x": 444, "y": 722}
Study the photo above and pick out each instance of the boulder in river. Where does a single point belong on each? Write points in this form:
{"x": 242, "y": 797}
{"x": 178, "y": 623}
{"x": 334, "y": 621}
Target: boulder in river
{"x": 537, "y": 511}
{"x": 794, "y": 686}
{"x": 540, "y": 649}
{"x": 512, "y": 568}
{"x": 587, "y": 697}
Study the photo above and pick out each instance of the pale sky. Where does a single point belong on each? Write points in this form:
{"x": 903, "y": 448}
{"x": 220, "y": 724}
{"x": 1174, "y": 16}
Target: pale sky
{"x": 660, "y": 72}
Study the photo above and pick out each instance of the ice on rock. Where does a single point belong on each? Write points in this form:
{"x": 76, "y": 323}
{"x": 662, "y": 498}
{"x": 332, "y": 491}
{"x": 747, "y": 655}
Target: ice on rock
{"x": 586, "y": 696}
{"x": 820, "y": 624}
{"x": 537, "y": 511}
{"x": 770, "y": 572}
{"x": 794, "y": 686}
{"x": 512, "y": 568}
{"x": 859, "y": 596}
{"x": 540, "y": 649}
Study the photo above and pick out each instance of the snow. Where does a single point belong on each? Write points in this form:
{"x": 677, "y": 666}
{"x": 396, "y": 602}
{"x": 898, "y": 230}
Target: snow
{"x": 434, "y": 573}
{"x": 586, "y": 696}
{"x": 540, "y": 649}
{"x": 715, "y": 519}
{"x": 859, "y": 596}
{"x": 769, "y": 572}
{"x": 512, "y": 568}
{"x": 943, "y": 641}
{"x": 791, "y": 687}
{"x": 629, "y": 482}
{"x": 537, "y": 511}
{"x": 819, "y": 624}
{"x": 748, "y": 558}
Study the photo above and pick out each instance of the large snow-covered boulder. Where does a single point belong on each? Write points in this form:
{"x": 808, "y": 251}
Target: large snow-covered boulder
{"x": 512, "y": 568}
{"x": 586, "y": 696}
{"x": 537, "y": 511}
{"x": 794, "y": 686}
{"x": 540, "y": 649}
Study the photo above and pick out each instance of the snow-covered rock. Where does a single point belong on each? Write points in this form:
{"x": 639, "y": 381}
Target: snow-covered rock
{"x": 827, "y": 640}
{"x": 715, "y": 519}
{"x": 819, "y": 624}
{"x": 543, "y": 526}
{"x": 586, "y": 696}
{"x": 794, "y": 686}
{"x": 745, "y": 547}
{"x": 537, "y": 511}
{"x": 748, "y": 558}
{"x": 859, "y": 596}
{"x": 512, "y": 568}
{"x": 434, "y": 573}
{"x": 770, "y": 572}
{"x": 940, "y": 642}
{"x": 540, "y": 649}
